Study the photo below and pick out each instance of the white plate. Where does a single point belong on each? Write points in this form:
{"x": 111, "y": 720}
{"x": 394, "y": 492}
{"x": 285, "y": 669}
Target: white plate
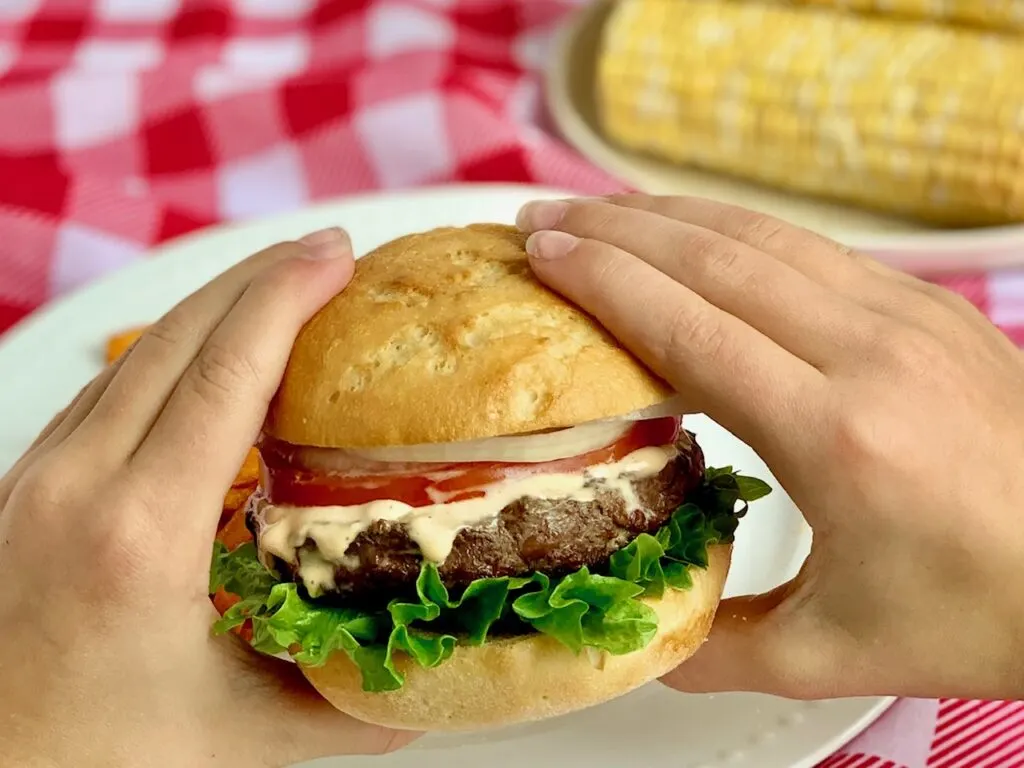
{"x": 570, "y": 96}
{"x": 47, "y": 359}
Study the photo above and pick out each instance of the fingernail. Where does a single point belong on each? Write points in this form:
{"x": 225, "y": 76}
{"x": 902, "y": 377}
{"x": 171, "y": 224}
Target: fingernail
{"x": 548, "y": 245}
{"x": 541, "y": 214}
{"x": 329, "y": 243}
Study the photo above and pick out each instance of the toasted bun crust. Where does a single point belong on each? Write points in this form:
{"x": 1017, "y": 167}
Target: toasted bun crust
{"x": 445, "y": 336}
{"x": 530, "y": 678}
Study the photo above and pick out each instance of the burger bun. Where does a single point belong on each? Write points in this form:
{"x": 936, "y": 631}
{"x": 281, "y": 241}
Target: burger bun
{"x": 533, "y": 677}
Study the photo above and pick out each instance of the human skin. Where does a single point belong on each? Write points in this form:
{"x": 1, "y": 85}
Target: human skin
{"x": 106, "y": 524}
{"x": 888, "y": 408}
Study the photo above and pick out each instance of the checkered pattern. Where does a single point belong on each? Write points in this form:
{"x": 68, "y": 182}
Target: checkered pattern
{"x": 127, "y": 122}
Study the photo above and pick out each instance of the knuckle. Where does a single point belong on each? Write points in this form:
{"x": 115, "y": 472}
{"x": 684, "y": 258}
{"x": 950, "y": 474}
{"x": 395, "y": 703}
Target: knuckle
{"x": 692, "y": 334}
{"x": 122, "y": 545}
{"x": 928, "y": 288}
{"x": 957, "y": 300}
{"x": 43, "y": 490}
{"x": 171, "y": 330}
{"x": 758, "y": 230}
{"x": 593, "y": 218}
{"x": 858, "y": 437}
{"x": 712, "y": 254}
{"x": 953, "y": 300}
{"x": 219, "y": 372}
{"x": 723, "y": 262}
{"x": 914, "y": 351}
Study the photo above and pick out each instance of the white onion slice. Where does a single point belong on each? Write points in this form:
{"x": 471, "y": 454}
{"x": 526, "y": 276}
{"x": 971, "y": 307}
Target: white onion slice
{"x": 535, "y": 448}
{"x": 513, "y": 449}
{"x": 674, "y": 406}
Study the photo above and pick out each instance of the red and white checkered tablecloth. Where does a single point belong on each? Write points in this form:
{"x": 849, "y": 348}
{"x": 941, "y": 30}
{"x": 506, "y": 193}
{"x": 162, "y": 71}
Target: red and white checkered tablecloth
{"x": 127, "y": 122}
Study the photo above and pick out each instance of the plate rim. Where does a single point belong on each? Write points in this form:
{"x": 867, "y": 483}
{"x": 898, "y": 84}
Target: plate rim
{"x": 882, "y": 705}
{"x": 741, "y": 754}
{"x": 998, "y": 241}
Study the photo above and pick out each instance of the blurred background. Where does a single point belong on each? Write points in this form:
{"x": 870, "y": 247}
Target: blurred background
{"x": 894, "y": 125}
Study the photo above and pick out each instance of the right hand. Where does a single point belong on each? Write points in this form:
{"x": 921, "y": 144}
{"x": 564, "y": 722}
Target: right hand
{"x": 889, "y": 409}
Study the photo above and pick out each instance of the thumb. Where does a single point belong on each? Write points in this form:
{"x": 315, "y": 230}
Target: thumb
{"x": 767, "y": 643}
{"x": 319, "y": 730}
{"x": 297, "y": 724}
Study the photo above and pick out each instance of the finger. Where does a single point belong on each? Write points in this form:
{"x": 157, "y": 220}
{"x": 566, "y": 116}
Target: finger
{"x": 851, "y": 273}
{"x": 304, "y": 726}
{"x": 215, "y": 412}
{"x": 57, "y": 421}
{"x": 721, "y": 365}
{"x": 68, "y": 420}
{"x": 140, "y": 389}
{"x": 813, "y": 322}
{"x": 62, "y": 425}
{"x": 765, "y": 644}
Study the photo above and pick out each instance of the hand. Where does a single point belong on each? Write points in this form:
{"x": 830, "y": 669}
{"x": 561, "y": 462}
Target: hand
{"x": 106, "y": 533}
{"x": 889, "y": 409}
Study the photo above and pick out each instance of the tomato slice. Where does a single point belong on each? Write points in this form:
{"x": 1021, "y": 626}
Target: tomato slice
{"x": 425, "y": 484}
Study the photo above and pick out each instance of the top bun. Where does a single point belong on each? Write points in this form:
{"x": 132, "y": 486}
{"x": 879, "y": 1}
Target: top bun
{"x": 446, "y": 336}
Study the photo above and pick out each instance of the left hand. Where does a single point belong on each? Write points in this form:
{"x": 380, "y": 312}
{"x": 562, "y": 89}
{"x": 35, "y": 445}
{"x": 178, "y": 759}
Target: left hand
{"x": 888, "y": 408}
{"x": 106, "y": 530}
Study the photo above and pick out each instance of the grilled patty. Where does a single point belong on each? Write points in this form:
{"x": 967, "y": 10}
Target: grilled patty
{"x": 552, "y": 536}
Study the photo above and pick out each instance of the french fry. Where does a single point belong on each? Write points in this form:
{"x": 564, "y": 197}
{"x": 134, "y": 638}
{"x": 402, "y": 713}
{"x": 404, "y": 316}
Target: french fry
{"x": 236, "y": 498}
{"x": 243, "y": 486}
{"x": 118, "y": 344}
{"x": 249, "y": 474}
{"x": 234, "y": 533}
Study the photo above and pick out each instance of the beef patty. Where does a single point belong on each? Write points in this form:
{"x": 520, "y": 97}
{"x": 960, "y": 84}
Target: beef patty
{"x": 530, "y": 534}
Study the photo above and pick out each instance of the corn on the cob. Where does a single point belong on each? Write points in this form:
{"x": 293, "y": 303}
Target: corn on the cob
{"x": 996, "y": 14}
{"x": 915, "y": 119}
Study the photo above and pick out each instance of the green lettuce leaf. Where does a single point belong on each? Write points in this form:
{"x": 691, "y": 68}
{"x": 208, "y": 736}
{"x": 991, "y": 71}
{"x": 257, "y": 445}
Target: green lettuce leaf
{"x": 584, "y": 609}
{"x": 239, "y": 572}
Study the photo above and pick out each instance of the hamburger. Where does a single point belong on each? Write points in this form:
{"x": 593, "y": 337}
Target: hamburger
{"x": 475, "y": 508}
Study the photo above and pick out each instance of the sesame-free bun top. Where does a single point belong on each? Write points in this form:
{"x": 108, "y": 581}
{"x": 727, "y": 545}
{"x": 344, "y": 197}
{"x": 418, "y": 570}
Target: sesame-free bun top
{"x": 446, "y": 336}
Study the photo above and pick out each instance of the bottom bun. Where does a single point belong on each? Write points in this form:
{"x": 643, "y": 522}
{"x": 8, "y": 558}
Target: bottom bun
{"x": 516, "y": 680}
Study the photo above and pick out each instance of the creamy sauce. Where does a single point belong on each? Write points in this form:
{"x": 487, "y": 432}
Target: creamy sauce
{"x": 284, "y": 530}
{"x": 317, "y": 572}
